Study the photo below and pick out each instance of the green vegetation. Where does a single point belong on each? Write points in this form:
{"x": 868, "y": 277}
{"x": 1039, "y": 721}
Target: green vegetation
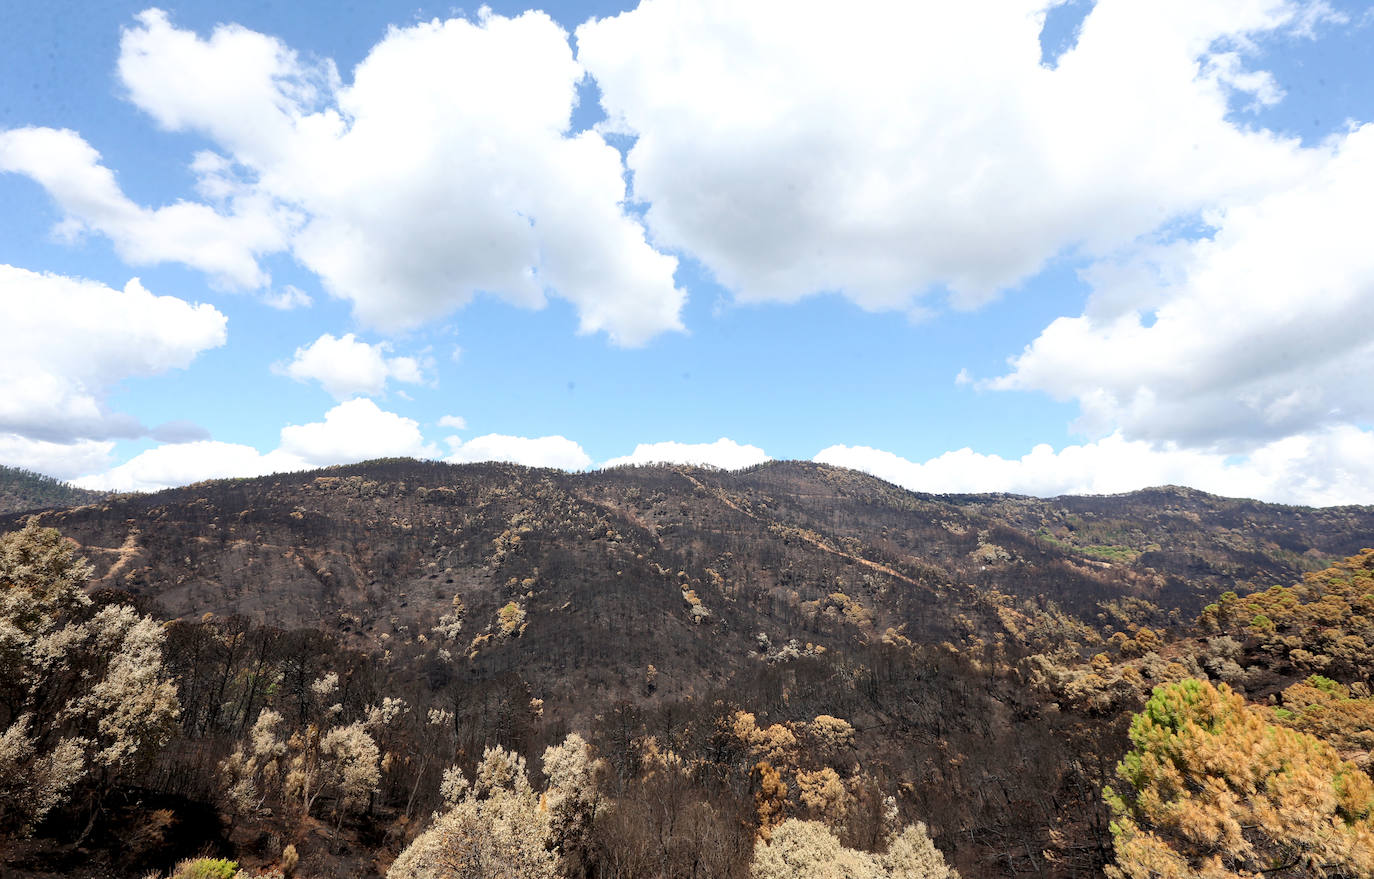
{"x": 1107, "y": 552}
{"x": 206, "y": 868}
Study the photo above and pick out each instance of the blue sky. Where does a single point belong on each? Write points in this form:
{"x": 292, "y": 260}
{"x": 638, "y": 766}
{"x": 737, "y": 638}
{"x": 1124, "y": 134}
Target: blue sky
{"x": 1077, "y": 247}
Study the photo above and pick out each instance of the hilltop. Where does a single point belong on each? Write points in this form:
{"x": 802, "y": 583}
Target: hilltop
{"x": 22, "y": 490}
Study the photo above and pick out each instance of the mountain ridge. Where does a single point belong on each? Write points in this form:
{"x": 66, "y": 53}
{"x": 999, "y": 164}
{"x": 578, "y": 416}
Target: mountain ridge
{"x": 1170, "y": 543}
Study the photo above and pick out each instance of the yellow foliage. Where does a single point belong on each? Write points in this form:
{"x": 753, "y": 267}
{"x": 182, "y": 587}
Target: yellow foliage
{"x": 1324, "y": 624}
{"x": 832, "y": 733}
{"x": 770, "y": 798}
{"x": 775, "y": 743}
{"x": 824, "y": 794}
{"x": 1214, "y": 789}
{"x": 1327, "y": 710}
{"x": 511, "y": 619}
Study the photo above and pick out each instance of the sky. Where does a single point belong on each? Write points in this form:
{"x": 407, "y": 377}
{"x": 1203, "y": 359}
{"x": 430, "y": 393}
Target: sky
{"x": 1031, "y": 246}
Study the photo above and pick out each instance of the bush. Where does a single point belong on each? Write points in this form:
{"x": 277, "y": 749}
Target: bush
{"x": 206, "y": 868}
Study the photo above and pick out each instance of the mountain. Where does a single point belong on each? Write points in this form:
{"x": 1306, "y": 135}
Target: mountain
{"x": 22, "y": 490}
{"x": 650, "y": 609}
{"x": 379, "y": 549}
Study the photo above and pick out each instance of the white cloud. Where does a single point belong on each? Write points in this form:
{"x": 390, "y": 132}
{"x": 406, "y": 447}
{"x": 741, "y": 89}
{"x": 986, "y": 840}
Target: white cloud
{"x": 1259, "y": 332}
{"x": 287, "y": 298}
{"x": 346, "y": 367}
{"x": 67, "y": 342}
{"x": 63, "y": 460}
{"x": 352, "y": 431}
{"x": 766, "y": 145}
{"x": 545, "y": 451}
{"x": 1334, "y": 466}
{"x": 1317, "y": 13}
{"x": 223, "y": 240}
{"x": 444, "y": 168}
{"x": 173, "y": 464}
{"x": 723, "y": 453}
{"x": 885, "y": 148}
{"x": 355, "y": 430}
{"x": 456, "y": 422}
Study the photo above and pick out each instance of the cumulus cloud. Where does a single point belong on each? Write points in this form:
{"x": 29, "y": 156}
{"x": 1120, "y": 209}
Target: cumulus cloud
{"x": 175, "y": 464}
{"x": 444, "y": 168}
{"x": 723, "y": 453}
{"x": 68, "y": 341}
{"x": 223, "y": 240}
{"x": 352, "y": 431}
{"x": 1257, "y": 332}
{"x": 1322, "y": 468}
{"x": 63, "y": 460}
{"x": 545, "y": 451}
{"x": 456, "y": 422}
{"x": 889, "y": 148}
{"x": 355, "y": 431}
{"x": 346, "y": 367}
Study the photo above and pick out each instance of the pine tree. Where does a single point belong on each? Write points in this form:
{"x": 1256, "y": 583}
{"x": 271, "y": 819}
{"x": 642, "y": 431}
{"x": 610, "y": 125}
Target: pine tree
{"x": 1214, "y": 789}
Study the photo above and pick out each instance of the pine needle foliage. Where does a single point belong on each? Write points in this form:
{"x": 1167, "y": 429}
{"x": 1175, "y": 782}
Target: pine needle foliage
{"x": 1213, "y": 789}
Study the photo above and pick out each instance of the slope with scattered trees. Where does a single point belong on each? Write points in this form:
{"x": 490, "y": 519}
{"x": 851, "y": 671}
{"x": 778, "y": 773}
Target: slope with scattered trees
{"x": 23, "y": 490}
{"x": 790, "y": 670}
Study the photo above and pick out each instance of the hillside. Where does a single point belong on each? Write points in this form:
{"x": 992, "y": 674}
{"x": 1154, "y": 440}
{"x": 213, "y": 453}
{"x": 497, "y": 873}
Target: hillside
{"x": 645, "y": 607}
{"x": 367, "y": 549}
{"x": 22, "y": 490}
